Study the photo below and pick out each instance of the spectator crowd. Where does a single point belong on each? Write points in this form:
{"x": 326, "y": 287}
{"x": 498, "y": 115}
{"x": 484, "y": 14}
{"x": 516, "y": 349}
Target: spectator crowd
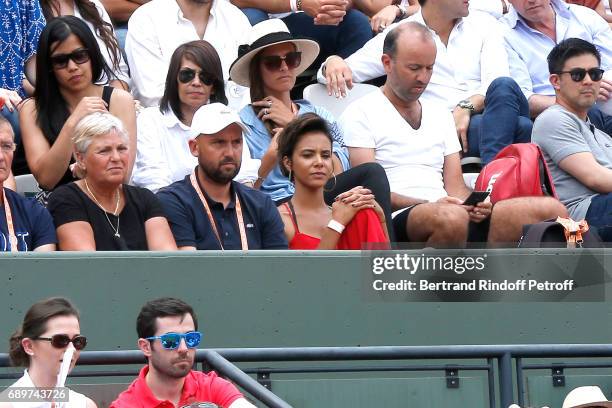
{"x": 180, "y": 124}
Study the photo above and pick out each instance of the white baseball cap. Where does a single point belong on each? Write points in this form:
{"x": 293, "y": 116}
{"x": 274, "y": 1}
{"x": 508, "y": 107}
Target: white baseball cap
{"x": 214, "y": 117}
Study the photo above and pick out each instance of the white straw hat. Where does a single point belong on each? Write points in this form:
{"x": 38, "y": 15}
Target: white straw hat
{"x": 264, "y": 34}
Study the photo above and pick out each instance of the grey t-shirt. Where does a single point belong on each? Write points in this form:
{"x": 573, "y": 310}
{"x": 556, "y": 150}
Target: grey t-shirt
{"x": 560, "y": 134}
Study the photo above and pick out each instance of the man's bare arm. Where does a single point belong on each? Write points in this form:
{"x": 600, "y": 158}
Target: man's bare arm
{"x": 588, "y": 171}
{"x": 325, "y": 9}
{"x": 453, "y": 177}
{"x": 538, "y": 103}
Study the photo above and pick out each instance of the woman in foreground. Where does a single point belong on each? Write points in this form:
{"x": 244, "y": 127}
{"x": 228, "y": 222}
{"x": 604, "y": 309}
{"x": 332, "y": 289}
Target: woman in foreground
{"x": 50, "y": 332}
{"x": 354, "y": 219}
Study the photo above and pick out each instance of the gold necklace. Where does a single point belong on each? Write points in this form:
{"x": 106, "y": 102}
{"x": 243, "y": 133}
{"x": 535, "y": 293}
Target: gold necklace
{"x": 104, "y": 209}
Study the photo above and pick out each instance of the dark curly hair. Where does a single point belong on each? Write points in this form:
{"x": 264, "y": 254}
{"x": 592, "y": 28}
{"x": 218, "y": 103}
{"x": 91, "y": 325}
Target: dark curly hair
{"x": 293, "y": 132}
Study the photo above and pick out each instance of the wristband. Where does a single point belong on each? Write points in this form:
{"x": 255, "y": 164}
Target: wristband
{"x": 298, "y": 5}
{"x": 336, "y": 226}
{"x": 293, "y": 5}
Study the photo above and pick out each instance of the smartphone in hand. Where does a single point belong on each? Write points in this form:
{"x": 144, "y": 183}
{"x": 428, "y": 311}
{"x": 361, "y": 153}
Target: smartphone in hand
{"x": 476, "y": 197}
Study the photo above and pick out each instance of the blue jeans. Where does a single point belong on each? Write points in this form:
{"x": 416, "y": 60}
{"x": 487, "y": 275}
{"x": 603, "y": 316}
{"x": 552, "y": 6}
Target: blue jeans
{"x": 13, "y": 118}
{"x": 600, "y": 120}
{"x": 505, "y": 120}
{"x": 599, "y": 215}
{"x": 254, "y": 15}
{"x": 343, "y": 40}
{"x": 121, "y": 30}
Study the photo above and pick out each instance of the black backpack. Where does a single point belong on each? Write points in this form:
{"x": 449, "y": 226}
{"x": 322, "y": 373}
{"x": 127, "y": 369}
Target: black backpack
{"x": 551, "y": 234}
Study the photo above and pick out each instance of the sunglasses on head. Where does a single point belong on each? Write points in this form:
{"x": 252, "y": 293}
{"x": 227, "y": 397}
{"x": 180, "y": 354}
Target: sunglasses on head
{"x": 187, "y": 75}
{"x": 62, "y": 340}
{"x": 79, "y": 56}
{"x": 578, "y": 74}
{"x": 171, "y": 341}
{"x": 274, "y": 62}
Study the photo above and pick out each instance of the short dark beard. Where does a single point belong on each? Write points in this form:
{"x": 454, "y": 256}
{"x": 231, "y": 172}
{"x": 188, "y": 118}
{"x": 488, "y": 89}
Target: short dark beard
{"x": 170, "y": 371}
{"x": 218, "y": 176}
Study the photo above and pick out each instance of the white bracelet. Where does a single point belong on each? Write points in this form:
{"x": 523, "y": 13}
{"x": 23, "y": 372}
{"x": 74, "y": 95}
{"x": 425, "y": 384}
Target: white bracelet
{"x": 336, "y": 226}
{"x": 293, "y": 5}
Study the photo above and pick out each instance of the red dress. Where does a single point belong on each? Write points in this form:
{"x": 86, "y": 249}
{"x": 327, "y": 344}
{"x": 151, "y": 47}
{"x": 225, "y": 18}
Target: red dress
{"x": 364, "y": 228}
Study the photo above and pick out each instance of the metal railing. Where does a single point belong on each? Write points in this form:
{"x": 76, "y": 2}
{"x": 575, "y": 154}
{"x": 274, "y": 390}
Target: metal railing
{"x": 504, "y": 355}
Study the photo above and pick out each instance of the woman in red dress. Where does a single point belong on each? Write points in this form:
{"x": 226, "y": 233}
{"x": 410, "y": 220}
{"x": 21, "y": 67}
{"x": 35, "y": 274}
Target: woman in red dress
{"x": 354, "y": 219}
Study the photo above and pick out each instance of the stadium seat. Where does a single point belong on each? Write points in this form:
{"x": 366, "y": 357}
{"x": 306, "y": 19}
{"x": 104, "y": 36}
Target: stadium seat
{"x": 27, "y": 185}
{"x": 317, "y": 95}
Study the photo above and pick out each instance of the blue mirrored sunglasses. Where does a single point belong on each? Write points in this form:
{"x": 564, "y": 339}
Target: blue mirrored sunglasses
{"x": 171, "y": 341}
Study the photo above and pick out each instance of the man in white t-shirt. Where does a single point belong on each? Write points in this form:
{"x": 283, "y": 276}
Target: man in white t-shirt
{"x": 416, "y": 143}
{"x": 157, "y": 28}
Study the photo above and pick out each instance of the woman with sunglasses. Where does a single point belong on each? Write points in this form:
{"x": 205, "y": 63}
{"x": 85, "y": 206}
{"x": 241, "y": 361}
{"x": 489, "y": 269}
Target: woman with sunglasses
{"x": 69, "y": 68}
{"x": 354, "y": 219}
{"x": 100, "y": 212}
{"x": 194, "y": 79}
{"x": 269, "y": 66}
{"x": 92, "y": 12}
{"x": 40, "y": 343}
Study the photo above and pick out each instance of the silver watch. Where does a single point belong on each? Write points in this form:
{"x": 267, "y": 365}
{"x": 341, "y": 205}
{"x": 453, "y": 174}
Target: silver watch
{"x": 466, "y": 104}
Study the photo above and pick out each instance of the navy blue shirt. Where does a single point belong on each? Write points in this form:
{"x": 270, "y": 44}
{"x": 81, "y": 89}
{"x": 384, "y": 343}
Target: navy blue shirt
{"x": 32, "y": 223}
{"x": 191, "y": 226}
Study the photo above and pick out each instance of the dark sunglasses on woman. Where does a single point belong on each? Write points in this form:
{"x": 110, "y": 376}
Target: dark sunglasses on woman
{"x": 187, "y": 75}
{"x": 578, "y": 74}
{"x": 274, "y": 62}
{"x": 79, "y": 56}
{"x": 62, "y": 340}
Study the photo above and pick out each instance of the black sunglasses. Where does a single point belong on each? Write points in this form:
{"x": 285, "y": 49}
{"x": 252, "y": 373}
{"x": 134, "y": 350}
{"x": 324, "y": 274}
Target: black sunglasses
{"x": 79, "y": 56}
{"x": 62, "y": 340}
{"x": 187, "y": 75}
{"x": 274, "y": 62}
{"x": 578, "y": 74}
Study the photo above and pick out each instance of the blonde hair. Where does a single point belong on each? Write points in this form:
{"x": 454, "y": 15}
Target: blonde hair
{"x": 4, "y": 123}
{"x": 96, "y": 124}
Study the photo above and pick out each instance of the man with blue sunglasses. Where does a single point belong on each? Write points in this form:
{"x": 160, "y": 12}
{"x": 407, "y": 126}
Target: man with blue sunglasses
{"x": 168, "y": 336}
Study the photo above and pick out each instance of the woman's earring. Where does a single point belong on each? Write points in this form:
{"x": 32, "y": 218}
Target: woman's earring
{"x": 290, "y": 179}
{"x": 335, "y": 182}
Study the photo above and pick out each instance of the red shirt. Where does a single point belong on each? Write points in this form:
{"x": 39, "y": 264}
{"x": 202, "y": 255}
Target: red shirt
{"x": 198, "y": 387}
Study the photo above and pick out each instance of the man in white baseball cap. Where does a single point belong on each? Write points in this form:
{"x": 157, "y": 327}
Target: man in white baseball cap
{"x": 586, "y": 397}
{"x": 207, "y": 210}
